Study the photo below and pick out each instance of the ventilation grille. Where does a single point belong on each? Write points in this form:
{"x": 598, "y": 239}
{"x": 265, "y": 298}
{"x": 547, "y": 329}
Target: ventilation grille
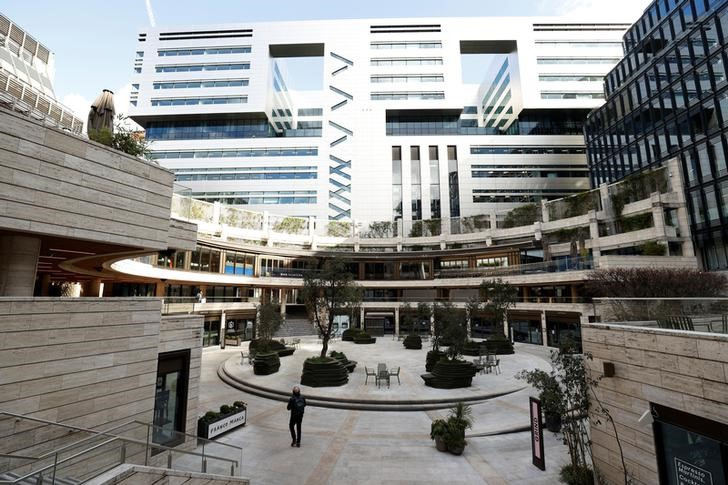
{"x": 396, "y": 29}
{"x": 579, "y": 27}
{"x": 4, "y": 26}
{"x": 206, "y": 34}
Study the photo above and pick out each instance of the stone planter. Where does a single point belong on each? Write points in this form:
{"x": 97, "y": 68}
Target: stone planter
{"x": 456, "y": 450}
{"x": 327, "y": 372}
{"x": 412, "y": 342}
{"x": 499, "y": 345}
{"x": 223, "y": 424}
{"x": 350, "y": 365}
{"x": 440, "y": 444}
{"x": 432, "y": 357}
{"x": 266, "y": 363}
{"x": 449, "y": 374}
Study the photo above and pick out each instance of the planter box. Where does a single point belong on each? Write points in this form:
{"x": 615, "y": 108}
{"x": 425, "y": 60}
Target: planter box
{"x": 226, "y": 423}
{"x": 324, "y": 374}
{"x": 266, "y": 363}
{"x": 232, "y": 341}
{"x": 450, "y": 375}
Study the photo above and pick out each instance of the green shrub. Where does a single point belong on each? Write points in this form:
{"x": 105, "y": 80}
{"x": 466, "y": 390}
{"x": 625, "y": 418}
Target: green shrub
{"x": 210, "y": 416}
{"x": 653, "y": 248}
{"x": 524, "y": 215}
{"x": 225, "y": 409}
{"x": 238, "y": 404}
{"x": 412, "y": 342}
{"x": 573, "y": 475}
{"x": 498, "y": 344}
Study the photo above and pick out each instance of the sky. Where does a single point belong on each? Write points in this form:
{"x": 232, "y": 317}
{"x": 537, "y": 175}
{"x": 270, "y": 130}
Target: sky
{"x": 94, "y": 41}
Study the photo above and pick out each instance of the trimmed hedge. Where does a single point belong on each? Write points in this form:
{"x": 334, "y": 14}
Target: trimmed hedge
{"x": 349, "y": 334}
{"x": 341, "y": 357}
{"x": 450, "y": 374}
{"x": 364, "y": 338}
{"x": 412, "y": 342}
{"x": 473, "y": 348}
{"x": 498, "y": 344}
{"x": 433, "y": 356}
{"x": 266, "y": 363}
{"x": 273, "y": 346}
{"x": 324, "y": 372}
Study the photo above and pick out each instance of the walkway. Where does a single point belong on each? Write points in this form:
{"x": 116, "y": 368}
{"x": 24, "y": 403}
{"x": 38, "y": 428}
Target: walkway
{"x": 371, "y": 447}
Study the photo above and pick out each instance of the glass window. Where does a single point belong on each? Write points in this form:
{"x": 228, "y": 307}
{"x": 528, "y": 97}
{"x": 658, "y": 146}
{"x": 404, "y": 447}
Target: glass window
{"x": 711, "y": 204}
{"x": 698, "y": 209}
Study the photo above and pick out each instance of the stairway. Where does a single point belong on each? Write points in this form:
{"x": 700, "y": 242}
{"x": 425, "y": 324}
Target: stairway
{"x": 296, "y": 324}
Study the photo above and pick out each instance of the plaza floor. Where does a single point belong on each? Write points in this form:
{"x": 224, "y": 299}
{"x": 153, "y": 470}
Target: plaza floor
{"x": 342, "y": 446}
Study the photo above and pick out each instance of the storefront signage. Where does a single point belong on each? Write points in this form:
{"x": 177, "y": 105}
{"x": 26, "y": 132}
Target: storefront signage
{"x": 226, "y": 424}
{"x": 689, "y": 474}
{"x": 536, "y": 434}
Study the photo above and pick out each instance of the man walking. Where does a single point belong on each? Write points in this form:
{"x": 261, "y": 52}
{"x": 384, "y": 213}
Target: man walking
{"x": 296, "y": 404}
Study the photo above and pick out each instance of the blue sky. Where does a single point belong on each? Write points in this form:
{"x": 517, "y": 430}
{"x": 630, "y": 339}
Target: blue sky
{"x": 94, "y": 40}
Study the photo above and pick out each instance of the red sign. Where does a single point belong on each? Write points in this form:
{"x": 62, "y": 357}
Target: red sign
{"x": 536, "y": 433}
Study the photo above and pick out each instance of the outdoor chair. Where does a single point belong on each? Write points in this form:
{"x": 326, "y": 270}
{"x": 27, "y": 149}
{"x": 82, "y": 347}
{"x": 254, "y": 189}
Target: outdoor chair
{"x": 382, "y": 374}
{"x": 492, "y": 363}
{"x": 676, "y": 322}
{"x": 370, "y": 373}
{"x": 395, "y": 373}
{"x": 721, "y": 326}
{"x": 244, "y": 357}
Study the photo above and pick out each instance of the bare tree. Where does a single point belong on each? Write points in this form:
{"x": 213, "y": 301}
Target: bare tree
{"x": 655, "y": 283}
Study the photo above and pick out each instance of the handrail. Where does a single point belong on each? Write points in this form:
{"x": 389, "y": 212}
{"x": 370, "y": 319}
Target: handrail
{"x": 114, "y": 437}
{"x": 198, "y": 438}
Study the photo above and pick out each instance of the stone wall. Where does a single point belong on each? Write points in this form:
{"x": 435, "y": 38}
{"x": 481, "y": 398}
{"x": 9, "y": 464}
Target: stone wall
{"x": 682, "y": 370}
{"x": 56, "y": 184}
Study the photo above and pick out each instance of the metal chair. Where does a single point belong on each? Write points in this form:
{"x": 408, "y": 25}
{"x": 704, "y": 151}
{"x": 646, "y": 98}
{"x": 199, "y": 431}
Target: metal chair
{"x": 395, "y": 373}
{"x": 370, "y": 373}
{"x": 723, "y": 325}
{"x": 382, "y": 374}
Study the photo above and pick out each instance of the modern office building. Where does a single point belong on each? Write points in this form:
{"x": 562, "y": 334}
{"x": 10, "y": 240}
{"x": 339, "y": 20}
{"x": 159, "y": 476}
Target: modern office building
{"x": 410, "y": 119}
{"x": 26, "y": 78}
{"x": 668, "y": 98}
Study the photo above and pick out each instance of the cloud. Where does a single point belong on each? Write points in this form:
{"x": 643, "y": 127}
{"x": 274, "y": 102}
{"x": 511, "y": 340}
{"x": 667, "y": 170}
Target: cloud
{"x": 603, "y": 10}
{"x": 81, "y": 105}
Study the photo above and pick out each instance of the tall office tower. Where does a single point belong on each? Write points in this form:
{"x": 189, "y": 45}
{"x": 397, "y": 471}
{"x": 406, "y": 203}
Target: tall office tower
{"x": 408, "y": 118}
{"x": 669, "y": 98}
{"x": 26, "y": 74}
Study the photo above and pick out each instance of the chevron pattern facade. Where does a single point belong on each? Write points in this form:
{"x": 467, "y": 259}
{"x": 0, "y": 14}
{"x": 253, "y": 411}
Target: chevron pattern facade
{"x": 339, "y": 162}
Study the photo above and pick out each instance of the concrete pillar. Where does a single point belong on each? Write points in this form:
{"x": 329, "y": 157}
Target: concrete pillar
{"x": 93, "y": 288}
{"x": 283, "y": 296}
{"x": 574, "y": 293}
{"x": 361, "y": 318}
{"x": 18, "y": 265}
{"x": 544, "y": 330}
{"x": 160, "y": 289}
{"x": 45, "y": 282}
{"x": 396, "y": 321}
{"x": 223, "y": 327}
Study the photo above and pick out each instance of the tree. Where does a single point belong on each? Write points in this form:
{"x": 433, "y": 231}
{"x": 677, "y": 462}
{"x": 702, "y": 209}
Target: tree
{"x": 655, "y": 283}
{"x": 497, "y": 297}
{"x": 329, "y": 291}
{"x": 269, "y": 321}
{"x": 423, "y": 316}
{"x": 570, "y": 398}
{"x": 450, "y": 328}
{"x": 123, "y": 138}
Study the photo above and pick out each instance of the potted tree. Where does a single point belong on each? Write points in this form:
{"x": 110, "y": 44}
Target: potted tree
{"x": 438, "y": 429}
{"x": 458, "y": 421}
{"x": 267, "y": 360}
{"x": 440, "y": 312}
{"x": 452, "y": 372}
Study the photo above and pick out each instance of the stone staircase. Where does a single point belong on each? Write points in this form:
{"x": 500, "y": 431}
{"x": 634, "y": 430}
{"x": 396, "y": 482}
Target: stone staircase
{"x": 296, "y": 324}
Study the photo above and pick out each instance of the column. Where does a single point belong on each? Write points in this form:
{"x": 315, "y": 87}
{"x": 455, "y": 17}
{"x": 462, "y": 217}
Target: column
{"x": 396, "y": 321}
{"x": 18, "y": 265}
{"x": 283, "y": 297}
{"x": 361, "y": 318}
{"x": 544, "y": 330}
{"x": 93, "y": 288}
{"x": 223, "y": 327}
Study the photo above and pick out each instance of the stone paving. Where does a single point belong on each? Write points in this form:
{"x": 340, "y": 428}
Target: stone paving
{"x": 372, "y": 447}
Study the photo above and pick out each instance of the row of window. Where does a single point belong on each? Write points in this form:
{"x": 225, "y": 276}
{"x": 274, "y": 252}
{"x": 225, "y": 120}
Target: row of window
{"x": 520, "y": 196}
{"x": 250, "y": 200}
{"x": 663, "y": 22}
{"x": 526, "y": 150}
{"x": 577, "y": 60}
{"x": 239, "y": 152}
{"x": 405, "y": 95}
{"x": 244, "y": 169}
{"x": 203, "y": 67}
{"x": 203, "y": 51}
{"x": 571, "y": 95}
{"x": 407, "y": 44}
{"x": 218, "y": 83}
{"x": 546, "y": 173}
{"x": 310, "y": 112}
{"x": 247, "y": 176}
{"x": 577, "y": 44}
{"x": 406, "y": 78}
{"x": 407, "y": 61}
{"x": 198, "y": 101}
{"x": 220, "y": 129}
{"x": 570, "y": 77}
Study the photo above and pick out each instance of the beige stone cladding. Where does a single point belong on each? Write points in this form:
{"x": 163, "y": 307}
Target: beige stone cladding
{"x": 180, "y": 332}
{"x": 53, "y": 183}
{"x": 684, "y": 370}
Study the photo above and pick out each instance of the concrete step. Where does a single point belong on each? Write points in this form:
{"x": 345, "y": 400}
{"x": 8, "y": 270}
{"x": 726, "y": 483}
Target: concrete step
{"x": 296, "y": 327}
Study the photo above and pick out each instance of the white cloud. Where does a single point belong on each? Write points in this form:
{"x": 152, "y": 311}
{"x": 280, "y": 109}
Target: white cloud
{"x": 81, "y": 105}
{"x": 602, "y": 10}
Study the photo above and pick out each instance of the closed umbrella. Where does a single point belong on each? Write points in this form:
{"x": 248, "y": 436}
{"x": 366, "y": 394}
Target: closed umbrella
{"x": 102, "y": 113}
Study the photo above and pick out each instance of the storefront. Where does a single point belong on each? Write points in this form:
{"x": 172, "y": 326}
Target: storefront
{"x": 691, "y": 450}
{"x": 170, "y": 400}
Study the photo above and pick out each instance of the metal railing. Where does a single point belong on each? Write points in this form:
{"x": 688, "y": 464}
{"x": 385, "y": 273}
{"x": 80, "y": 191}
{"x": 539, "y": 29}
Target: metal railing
{"x": 191, "y": 304}
{"x": 76, "y": 453}
{"x": 691, "y": 314}
{"x": 553, "y": 266}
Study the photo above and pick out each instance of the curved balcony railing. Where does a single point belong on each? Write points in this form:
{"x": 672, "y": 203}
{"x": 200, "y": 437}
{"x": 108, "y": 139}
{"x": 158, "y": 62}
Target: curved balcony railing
{"x": 555, "y": 266}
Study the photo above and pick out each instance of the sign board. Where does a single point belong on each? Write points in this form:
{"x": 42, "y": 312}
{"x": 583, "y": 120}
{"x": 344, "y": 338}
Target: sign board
{"x": 536, "y": 433}
{"x": 226, "y": 424}
{"x": 689, "y": 474}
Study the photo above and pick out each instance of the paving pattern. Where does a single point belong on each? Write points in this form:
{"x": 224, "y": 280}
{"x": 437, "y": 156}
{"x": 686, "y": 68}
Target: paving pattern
{"x": 342, "y": 446}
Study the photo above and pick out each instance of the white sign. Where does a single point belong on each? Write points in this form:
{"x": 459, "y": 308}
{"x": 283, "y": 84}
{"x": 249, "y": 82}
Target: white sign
{"x": 219, "y": 427}
{"x": 689, "y": 474}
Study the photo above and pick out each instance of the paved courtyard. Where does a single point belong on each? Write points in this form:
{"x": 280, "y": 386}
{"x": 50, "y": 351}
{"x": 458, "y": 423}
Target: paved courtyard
{"x": 376, "y": 447}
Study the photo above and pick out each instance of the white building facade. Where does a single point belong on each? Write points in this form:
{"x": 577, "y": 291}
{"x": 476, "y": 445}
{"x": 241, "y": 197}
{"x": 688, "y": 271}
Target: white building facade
{"x": 396, "y": 130}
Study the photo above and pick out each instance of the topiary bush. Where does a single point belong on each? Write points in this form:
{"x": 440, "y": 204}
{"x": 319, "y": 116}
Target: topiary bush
{"x": 349, "y": 334}
{"x": 450, "y": 374}
{"x": 341, "y": 357}
{"x": 225, "y": 409}
{"x": 498, "y": 344}
{"x": 433, "y": 356}
{"x": 266, "y": 363}
{"x": 412, "y": 342}
{"x": 324, "y": 372}
{"x": 473, "y": 348}
{"x": 364, "y": 338}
